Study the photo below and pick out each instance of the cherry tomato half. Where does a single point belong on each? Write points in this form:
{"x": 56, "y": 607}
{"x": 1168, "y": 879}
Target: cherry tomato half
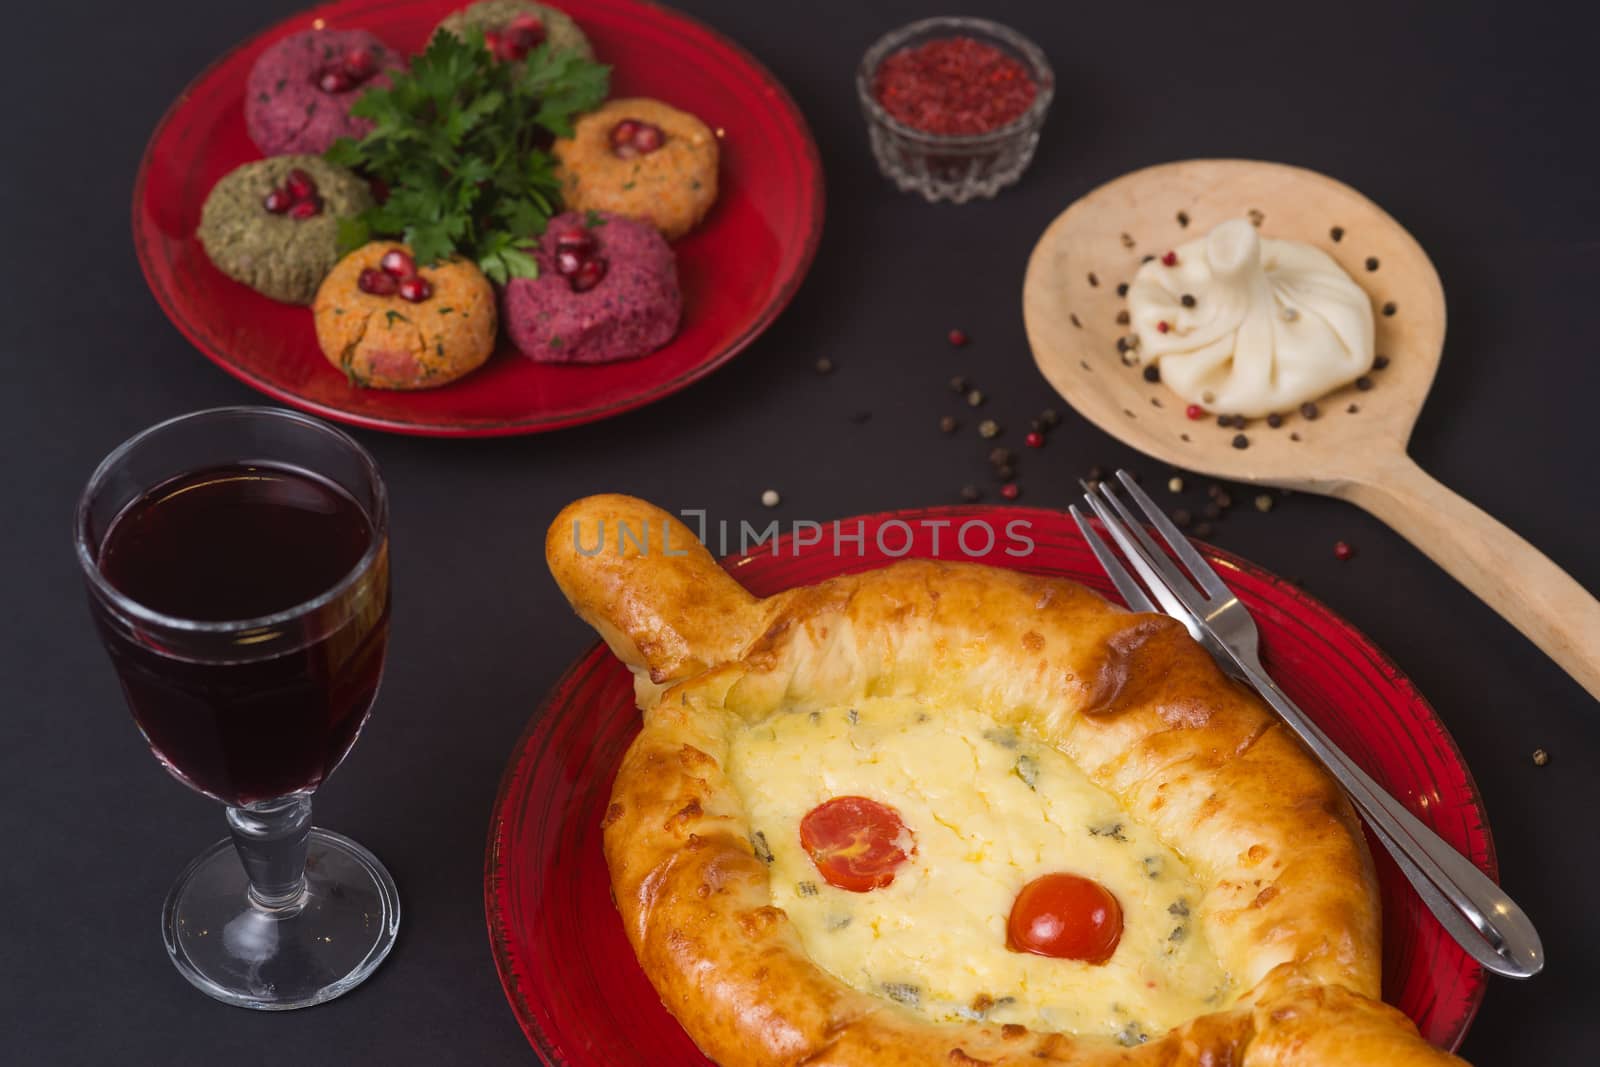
{"x": 856, "y": 842}
{"x": 1067, "y": 917}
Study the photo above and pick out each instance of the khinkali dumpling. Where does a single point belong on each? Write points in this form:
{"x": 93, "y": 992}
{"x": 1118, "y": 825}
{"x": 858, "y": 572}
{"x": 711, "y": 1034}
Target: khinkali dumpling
{"x": 1245, "y": 325}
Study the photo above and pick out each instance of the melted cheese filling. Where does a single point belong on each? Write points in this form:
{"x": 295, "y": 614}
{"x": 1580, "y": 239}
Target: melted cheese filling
{"x": 990, "y": 811}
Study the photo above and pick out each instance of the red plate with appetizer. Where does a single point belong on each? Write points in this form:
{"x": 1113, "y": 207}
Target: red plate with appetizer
{"x": 479, "y": 219}
{"x": 566, "y": 962}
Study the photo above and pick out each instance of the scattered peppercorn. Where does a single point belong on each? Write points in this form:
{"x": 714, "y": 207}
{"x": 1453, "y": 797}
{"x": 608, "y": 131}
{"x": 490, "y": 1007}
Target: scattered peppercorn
{"x": 1073, "y": 318}
{"x": 1195, "y": 412}
{"x": 1183, "y": 218}
{"x": 1274, "y": 420}
{"x": 949, "y": 424}
{"x": 1257, "y": 217}
{"x": 1212, "y": 511}
{"x": 1005, "y": 472}
{"x": 1224, "y": 421}
{"x": 1363, "y": 383}
{"x": 971, "y": 493}
{"x": 1093, "y": 278}
{"x": 1122, "y": 289}
{"x": 1037, "y": 426}
{"x": 1122, "y": 344}
{"x": 1147, "y": 259}
{"x": 1096, "y": 474}
{"x": 1390, "y": 308}
{"x": 1182, "y": 518}
{"x": 988, "y": 428}
{"x": 1372, "y": 262}
{"x": 1049, "y": 417}
{"x": 1241, "y": 441}
{"x": 1264, "y": 502}
{"x": 1011, "y": 490}
{"x": 1152, "y": 373}
{"x": 1202, "y": 529}
{"x": 1540, "y": 757}
{"x": 1379, "y": 362}
{"x": 1308, "y": 410}
{"x": 1293, "y": 436}
{"x": 1034, "y": 440}
{"x": 1128, "y": 241}
{"x": 1342, "y": 551}
{"x": 1352, "y": 409}
{"x": 1187, "y": 300}
{"x": 958, "y": 337}
{"x": 1000, "y": 455}
{"x": 1223, "y": 500}
{"x": 1122, "y": 317}
{"x": 959, "y": 384}
{"x": 976, "y": 398}
{"x": 824, "y": 365}
{"x": 1175, "y": 484}
{"x": 770, "y": 498}
{"x": 1337, "y": 233}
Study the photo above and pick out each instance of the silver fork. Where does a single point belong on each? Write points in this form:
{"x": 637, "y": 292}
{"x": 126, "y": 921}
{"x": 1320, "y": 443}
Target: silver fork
{"x": 1476, "y": 912}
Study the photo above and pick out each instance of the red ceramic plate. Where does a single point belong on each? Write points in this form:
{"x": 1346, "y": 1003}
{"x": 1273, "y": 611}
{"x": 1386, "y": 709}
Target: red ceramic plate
{"x": 738, "y": 269}
{"x": 572, "y": 979}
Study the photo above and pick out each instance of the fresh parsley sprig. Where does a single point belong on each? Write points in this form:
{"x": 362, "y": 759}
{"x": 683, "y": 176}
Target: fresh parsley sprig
{"x": 460, "y": 140}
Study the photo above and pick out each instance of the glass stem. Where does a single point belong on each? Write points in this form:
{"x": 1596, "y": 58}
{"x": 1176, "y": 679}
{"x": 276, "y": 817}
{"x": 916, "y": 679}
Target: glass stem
{"x": 270, "y": 837}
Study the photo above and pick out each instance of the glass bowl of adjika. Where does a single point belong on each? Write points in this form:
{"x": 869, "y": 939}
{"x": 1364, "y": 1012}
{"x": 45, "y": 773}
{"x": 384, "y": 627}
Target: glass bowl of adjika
{"x": 954, "y": 106}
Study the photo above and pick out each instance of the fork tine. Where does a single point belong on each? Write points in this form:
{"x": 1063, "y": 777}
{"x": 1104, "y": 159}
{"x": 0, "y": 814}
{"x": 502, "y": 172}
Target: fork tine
{"x": 1202, "y": 571}
{"x": 1171, "y": 576}
{"x": 1169, "y": 601}
{"x": 1133, "y": 593}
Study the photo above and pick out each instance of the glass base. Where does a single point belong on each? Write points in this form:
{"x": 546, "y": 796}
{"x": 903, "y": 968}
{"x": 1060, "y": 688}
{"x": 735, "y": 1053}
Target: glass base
{"x": 274, "y": 959}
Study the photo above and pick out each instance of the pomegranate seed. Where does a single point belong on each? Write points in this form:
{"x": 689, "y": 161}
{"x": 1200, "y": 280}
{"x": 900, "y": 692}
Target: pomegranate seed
{"x": 300, "y": 184}
{"x": 575, "y": 240}
{"x": 416, "y": 289}
{"x": 398, "y": 264}
{"x": 334, "y": 80}
{"x": 277, "y": 201}
{"x": 588, "y": 275}
{"x": 377, "y": 282}
{"x": 1342, "y": 551}
{"x": 1162, "y": 327}
{"x": 1034, "y": 440}
{"x": 568, "y": 262}
{"x": 623, "y": 136}
{"x": 1195, "y": 411}
{"x": 958, "y": 338}
{"x": 648, "y": 138}
{"x": 1011, "y": 490}
{"x": 307, "y": 208}
{"x": 1170, "y": 259}
{"x": 360, "y": 64}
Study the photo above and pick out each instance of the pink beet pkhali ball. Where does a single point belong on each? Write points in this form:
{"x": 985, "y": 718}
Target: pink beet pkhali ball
{"x": 605, "y": 292}
{"x": 300, "y": 91}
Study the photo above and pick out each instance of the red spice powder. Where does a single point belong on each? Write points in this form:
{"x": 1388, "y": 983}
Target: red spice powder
{"x": 953, "y": 86}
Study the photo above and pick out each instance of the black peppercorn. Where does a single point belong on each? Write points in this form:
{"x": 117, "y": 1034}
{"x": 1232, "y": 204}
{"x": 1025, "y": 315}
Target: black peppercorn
{"x": 1183, "y": 218}
{"x": 1005, "y": 472}
{"x": 1152, "y": 373}
{"x": 971, "y": 493}
{"x": 1379, "y": 362}
{"x": 1122, "y": 289}
{"x": 824, "y": 365}
{"x": 1363, "y": 383}
{"x": 1308, "y": 410}
{"x": 1241, "y": 441}
{"x": 949, "y": 424}
{"x": 1000, "y": 456}
{"x": 1049, "y": 417}
{"x": 1390, "y": 308}
{"x": 1182, "y": 518}
{"x": 1122, "y": 317}
{"x": 959, "y": 384}
{"x": 1337, "y": 233}
{"x": 1212, "y": 512}
{"x": 1274, "y": 420}
{"x": 1202, "y": 529}
{"x": 1093, "y": 278}
{"x": 1372, "y": 262}
{"x": 1187, "y": 300}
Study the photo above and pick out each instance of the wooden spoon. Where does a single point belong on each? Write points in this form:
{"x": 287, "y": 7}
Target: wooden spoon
{"x": 1071, "y": 305}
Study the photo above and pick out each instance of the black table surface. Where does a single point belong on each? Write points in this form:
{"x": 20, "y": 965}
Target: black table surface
{"x": 1473, "y": 127}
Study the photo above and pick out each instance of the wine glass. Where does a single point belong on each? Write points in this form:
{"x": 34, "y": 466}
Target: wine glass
{"x": 237, "y": 563}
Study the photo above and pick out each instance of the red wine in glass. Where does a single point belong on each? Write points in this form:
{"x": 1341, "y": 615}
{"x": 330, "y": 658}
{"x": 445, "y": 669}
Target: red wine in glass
{"x": 248, "y": 541}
